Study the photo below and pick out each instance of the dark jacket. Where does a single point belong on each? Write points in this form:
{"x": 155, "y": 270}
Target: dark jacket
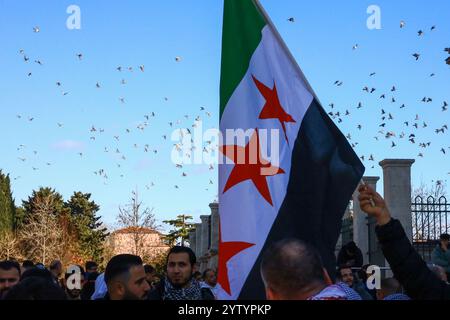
{"x": 408, "y": 266}
{"x": 441, "y": 258}
{"x": 158, "y": 292}
{"x": 354, "y": 260}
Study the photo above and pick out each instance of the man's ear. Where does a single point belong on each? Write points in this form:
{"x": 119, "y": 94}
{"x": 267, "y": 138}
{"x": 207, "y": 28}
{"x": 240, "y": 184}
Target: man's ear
{"x": 119, "y": 288}
{"x": 326, "y": 277}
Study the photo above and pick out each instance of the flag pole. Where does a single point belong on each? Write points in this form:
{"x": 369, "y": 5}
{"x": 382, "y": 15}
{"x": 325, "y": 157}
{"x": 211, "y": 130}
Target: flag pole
{"x": 285, "y": 48}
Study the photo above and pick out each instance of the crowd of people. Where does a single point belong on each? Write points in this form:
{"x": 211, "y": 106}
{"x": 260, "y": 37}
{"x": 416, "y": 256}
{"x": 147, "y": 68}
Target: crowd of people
{"x": 291, "y": 269}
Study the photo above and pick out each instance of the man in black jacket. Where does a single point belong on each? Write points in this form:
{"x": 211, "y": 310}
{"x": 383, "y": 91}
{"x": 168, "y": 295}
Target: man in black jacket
{"x": 407, "y": 265}
{"x": 179, "y": 283}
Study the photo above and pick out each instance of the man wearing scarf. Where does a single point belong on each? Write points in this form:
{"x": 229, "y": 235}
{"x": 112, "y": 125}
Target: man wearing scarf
{"x": 179, "y": 283}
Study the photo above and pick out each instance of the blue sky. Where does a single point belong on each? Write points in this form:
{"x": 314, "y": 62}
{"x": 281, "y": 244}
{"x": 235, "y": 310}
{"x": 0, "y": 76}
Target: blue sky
{"x": 153, "y": 33}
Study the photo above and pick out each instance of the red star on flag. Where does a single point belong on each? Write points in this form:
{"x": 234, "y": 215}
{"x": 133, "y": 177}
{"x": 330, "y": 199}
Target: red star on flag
{"x": 272, "y": 108}
{"x": 228, "y": 250}
{"x": 249, "y": 165}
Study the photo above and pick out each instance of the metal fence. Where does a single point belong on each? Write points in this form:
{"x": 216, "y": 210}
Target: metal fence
{"x": 430, "y": 218}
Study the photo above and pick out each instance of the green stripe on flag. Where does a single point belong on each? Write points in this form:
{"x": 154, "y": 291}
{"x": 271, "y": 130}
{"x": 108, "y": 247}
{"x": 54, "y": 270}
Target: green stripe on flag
{"x": 242, "y": 26}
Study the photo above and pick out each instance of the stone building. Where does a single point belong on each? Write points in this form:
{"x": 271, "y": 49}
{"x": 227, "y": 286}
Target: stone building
{"x": 145, "y": 242}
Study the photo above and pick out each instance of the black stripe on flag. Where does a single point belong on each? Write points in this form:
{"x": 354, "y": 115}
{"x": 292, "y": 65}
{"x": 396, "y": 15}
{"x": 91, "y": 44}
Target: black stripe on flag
{"x": 325, "y": 171}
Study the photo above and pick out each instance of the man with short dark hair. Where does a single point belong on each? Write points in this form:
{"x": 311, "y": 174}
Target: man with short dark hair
{"x": 74, "y": 281}
{"x": 149, "y": 274}
{"x": 179, "y": 283}
{"x": 391, "y": 290}
{"x": 91, "y": 266}
{"x": 293, "y": 270}
{"x": 27, "y": 264}
{"x": 347, "y": 279}
{"x": 441, "y": 254}
{"x": 56, "y": 268}
{"x": 210, "y": 281}
{"x": 9, "y": 276}
{"x": 125, "y": 278}
{"x": 350, "y": 255}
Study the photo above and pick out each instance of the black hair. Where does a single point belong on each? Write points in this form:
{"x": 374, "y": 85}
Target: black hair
{"x": 390, "y": 286}
{"x": 149, "y": 269}
{"x": 120, "y": 265}
{"x": 35, "y": 288}
{"x": 55, "y": 264}
{"x": 90, "y": 264}
{"x": 9, "y": 264}
{"x": 38, "y": 273}
{"x": 290, "y": 266}
{"x": 445, "y": 236}
{"x": 27, "y": 264}
{"x": 180, "y": 249}
{"x": 206, "y": 272}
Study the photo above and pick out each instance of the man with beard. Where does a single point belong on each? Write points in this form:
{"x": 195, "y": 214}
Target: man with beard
{"x": 179, "y": 283}
{"x": 75, "y": 279}
{"x": 125, "y": 278}
{"x": 9, "y": 276}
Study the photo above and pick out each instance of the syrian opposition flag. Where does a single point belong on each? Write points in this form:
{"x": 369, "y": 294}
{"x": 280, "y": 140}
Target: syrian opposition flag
{"x": 302, "y": 195}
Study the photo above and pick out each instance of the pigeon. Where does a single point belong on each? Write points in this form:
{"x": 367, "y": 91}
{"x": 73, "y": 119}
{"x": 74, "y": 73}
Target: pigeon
{"x": 402, "y": 24}
{"x": 420, "y": 33}
{"x": 372, "y": 74}
{"x": 80, "y": 56}
{"x": 433, "y": 28}
{"x": 36, "y": 29}
{"x": 416, "y": 55}
{"x": 141, "y": 68}
{"x": 393, "y": 144}
{"x": 178, "y": 59}
{"x": 355, "y": 47}
{"x": 98, "y": 85}
{"x": 447, "y": 50}
{"x": 291, "y": 19}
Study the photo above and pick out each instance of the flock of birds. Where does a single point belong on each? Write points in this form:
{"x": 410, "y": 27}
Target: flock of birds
{"x": 410, "y": 132}
{"x": 411, "y": 127}
{"x": 184, "y": 147}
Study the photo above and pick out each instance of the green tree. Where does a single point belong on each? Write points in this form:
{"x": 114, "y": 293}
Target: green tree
{"x": 49, "y": 196}
{"x": 180, "y": 232}
{"x": 90, "y": 231}
{"x": 7, "y": 206}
